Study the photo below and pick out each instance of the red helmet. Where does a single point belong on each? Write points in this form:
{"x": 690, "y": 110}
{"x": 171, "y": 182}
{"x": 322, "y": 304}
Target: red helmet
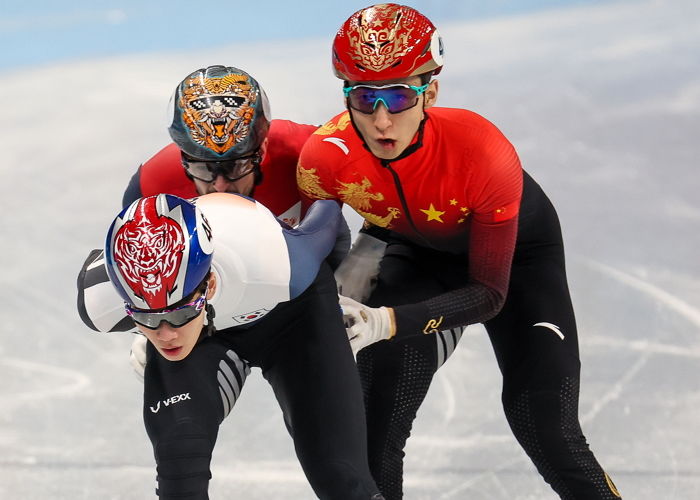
{"x": 386, "y": 42}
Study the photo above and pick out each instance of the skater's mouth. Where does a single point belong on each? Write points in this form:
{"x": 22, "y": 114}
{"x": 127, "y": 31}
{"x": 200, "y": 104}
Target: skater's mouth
{"x": 171, "y": 352}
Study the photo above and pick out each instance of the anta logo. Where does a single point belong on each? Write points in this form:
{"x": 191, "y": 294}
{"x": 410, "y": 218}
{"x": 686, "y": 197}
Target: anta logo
{"x": 171, "y": 401}
{"x": 612, "y": 486}
{"x": 432, "y": 325}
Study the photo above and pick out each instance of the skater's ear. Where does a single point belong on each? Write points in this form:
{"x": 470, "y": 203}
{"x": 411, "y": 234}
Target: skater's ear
{"x": 431, "y": 94}
{"x": 211, "y": 289}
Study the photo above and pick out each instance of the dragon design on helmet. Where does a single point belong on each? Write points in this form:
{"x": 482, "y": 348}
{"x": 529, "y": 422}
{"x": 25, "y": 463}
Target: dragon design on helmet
{"x": 386, "y": 41}
{"x": 380, "y": 37}
{"x": 218, "y": 111}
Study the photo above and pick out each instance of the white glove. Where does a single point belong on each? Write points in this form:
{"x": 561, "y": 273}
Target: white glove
{"x": 366, "y": 325}
{"x": 137, "y": 356}
{"x": 357, "y": 274}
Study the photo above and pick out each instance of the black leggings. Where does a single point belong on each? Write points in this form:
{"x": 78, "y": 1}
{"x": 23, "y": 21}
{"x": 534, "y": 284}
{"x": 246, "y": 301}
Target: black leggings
{"x": 302, "y": 349}
{"x": 535, "y": 341}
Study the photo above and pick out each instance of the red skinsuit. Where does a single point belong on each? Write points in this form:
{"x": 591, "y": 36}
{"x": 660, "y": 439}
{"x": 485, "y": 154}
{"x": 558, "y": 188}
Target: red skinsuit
{"x": 459, "y": 192}
{"x": 164, "y": 173}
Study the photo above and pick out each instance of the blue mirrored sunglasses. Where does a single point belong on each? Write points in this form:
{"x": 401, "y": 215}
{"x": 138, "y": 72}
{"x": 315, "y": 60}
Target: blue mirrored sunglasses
{"x": 396, "y": 97}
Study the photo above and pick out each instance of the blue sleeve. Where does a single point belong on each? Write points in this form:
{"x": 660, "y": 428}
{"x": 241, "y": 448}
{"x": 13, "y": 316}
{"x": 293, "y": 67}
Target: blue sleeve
{"x": 342, "y": 243}
{"x": 311, "y": 243}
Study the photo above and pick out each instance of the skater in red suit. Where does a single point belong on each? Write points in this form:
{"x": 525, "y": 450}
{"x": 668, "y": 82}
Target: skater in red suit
{"x": 455, "y": 233}
{"x": 225, "y": 141}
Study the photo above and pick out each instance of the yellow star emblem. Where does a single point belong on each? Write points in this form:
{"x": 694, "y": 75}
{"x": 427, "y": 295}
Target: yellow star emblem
{"x": 432, "y": 213}
{"x": 453, "y": 202}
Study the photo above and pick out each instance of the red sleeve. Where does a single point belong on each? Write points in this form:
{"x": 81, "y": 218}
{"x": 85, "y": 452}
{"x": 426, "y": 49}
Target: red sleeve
{"x": 278, "y": 190}
{"x": 164, "y": 173}
{"x": 496, "y": 190}
{"x": 294, "y": 136}
{"x": 496, "y": 205}
{"x": 480, "y": 300}
{"x": 315, "y": 180}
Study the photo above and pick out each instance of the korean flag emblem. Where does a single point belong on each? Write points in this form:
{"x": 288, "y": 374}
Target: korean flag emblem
{"x": 243, "y": 319}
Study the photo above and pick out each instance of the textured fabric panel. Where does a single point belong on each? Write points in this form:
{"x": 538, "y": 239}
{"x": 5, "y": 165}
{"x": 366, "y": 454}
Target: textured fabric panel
{"x": 546, "y": 426}
{"x": 396, "y": 377}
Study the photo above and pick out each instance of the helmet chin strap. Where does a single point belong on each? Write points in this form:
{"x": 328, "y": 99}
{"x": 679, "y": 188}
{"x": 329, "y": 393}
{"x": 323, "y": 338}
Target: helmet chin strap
{"x": 258, "y": 176}
{"x": 209, "y": 328}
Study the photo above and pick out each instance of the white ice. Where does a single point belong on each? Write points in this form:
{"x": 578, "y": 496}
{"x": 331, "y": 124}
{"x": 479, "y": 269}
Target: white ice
{"x": 603, "y": 105}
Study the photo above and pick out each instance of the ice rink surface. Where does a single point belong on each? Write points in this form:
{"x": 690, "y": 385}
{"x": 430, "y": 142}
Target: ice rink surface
{"x": 603, "y": 105}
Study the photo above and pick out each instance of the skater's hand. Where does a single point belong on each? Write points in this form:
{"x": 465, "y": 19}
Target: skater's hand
{"x": 137, "y": 356}
{"x": 366, "y": 325}
{"x": 357, "y": 273}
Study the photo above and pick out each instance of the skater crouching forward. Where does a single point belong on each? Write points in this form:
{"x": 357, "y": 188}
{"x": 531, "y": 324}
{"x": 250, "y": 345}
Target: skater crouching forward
{"x": 176, "y": 265}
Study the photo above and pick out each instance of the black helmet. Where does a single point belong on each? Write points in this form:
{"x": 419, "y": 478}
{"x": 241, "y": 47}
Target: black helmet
{"x": 219, "y": 113}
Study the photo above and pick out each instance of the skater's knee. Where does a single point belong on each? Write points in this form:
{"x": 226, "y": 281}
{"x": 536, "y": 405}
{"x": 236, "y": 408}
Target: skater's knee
{"x": 546, "y": 419}
{"x": 338, "y": 480}
{"x": 546, "y": 424}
